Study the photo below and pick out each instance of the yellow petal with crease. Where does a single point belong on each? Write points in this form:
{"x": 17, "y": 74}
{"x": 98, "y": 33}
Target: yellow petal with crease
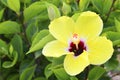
{"x": 75, "y": 65}
{"x": 100, "y": 50}
{"x": 88, "y": 24}
{"x": 62, "y": 28}
{"x": 55, "y": 49}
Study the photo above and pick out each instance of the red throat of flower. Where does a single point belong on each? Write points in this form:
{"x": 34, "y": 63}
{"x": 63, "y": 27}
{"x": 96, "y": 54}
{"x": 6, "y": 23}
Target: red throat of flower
{"x": 78, "y": 48}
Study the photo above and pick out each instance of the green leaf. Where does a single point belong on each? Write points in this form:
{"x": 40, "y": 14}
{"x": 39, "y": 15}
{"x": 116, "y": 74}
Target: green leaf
{"x": 14, "y": 5}
{"x": 40, "y": 40}
{"x": 83, "y": 4}
{"x": 112, "y": 35}
{"x": 58, "y": 62}
{"x": 55, "y": 2}
{"x": 9, "y": 27}
{"x": 34, "y": 10}
{"x": 8, "y": 64}
{"x": 48, "y": 72}
{"x": 39, "y": 36}
{"x": 38, "y": 54}
{"x": 117, "y": 4}
{"x": 110, "y": 28}
{"x": 73, "y": 78}
{"x": 0, "y": 64}
{"x": 66, "y": 9}
{"x": 117, "y": 25}
{"x": 96, "y": 73}
{"x": 26, "y": 64}
{"x": 40, "y": 78}
{"x": 75, "y": 16}
{"x": 13, "y": 77}
{"x": 113, "y": 15}
{"x": 11, "y": 49}
{"x": 31, "y": 30}
{"x": 106, "y": 6}
{"x": 116, "y": 42}
{"x": 53, "y": 11}
{"x": 1, "y": 13}
{"x": 3, "y": 48}
{"x": 4, "y": 2}
{"x": 112, "y": 64}
{"x": 28, "y": 73}
{"x": 50, "y": 59}
{"x": 98, "y": 4}
{"x": 102, "y": 6}
{"x": 26, "y": 1}
{"x": 17, "y": 44}
{"x": 61, "y": 74}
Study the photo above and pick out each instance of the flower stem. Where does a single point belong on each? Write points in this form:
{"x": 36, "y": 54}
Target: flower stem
{"x": 108, "y": 14}
{"x": 20, "y": 18}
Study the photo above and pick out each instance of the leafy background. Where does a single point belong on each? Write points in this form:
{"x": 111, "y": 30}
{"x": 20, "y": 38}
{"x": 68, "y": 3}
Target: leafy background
{"x": 24, "y": 32}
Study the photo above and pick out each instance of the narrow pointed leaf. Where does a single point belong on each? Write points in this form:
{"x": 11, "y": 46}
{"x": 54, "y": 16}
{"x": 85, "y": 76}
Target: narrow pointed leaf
{"x": 40, "y": 40}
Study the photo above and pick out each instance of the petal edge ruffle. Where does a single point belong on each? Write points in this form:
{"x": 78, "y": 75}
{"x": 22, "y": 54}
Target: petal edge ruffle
{"x": 100, "y": 50}
{"x": 89, "y": 24}
{"x": 75, "y": 65}
{"x": 62, "y": 28}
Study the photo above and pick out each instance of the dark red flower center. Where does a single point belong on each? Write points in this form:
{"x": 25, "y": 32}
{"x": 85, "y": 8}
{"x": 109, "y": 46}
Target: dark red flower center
{"x": 77, "y": 49}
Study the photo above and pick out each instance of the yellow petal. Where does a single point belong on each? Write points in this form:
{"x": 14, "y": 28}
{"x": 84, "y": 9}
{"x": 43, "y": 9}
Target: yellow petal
{"x": 55, "y": 49}
{"x": 75, "y": 65}
{"x": 100, "y": 50}
{"x": 62, "y": 28}
{"x": 88, "y": 24}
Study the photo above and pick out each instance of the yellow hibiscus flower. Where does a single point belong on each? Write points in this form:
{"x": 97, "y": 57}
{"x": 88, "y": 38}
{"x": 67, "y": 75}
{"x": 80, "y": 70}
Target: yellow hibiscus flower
{"x": 80, "y": 41}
